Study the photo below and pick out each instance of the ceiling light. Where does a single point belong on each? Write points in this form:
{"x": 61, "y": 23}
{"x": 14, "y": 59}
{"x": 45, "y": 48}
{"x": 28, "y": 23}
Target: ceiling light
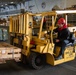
{"x": 11, "y": 2}
{"x": 2, "y": 5}
{"x": 5, "y": 4}
{"x": 66, "y": 11}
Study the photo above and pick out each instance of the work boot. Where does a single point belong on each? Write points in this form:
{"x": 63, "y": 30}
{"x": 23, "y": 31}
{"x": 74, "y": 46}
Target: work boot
{"x": 59, "y": 57}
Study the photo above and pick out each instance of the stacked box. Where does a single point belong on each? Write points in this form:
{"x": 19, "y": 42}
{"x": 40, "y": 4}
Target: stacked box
{"x": 5, "y": 34}
{"x": 1, "y": 38}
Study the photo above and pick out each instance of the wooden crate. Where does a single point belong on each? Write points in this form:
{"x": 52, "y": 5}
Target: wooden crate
{"x": 8, "y": 52}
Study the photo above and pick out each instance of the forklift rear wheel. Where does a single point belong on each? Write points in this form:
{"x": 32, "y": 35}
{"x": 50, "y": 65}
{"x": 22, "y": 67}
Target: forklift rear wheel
{"x": 36, "y": 60}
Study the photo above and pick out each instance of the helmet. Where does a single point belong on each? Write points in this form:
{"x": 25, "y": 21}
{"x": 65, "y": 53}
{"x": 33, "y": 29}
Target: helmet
{"x": 61, "y": 21}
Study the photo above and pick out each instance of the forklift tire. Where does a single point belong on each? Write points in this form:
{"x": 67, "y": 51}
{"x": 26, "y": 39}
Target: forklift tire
{"x": 36, "y": 60}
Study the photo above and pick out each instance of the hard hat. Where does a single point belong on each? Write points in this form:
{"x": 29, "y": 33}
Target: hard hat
{"x": 61, "y": 21}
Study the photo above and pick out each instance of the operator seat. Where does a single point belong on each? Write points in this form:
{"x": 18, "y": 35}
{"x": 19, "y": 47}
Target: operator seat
{"x": 71, "y": 40}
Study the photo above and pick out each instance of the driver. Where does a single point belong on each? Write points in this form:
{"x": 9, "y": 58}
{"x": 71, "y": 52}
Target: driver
{"x": 63, "y": 36}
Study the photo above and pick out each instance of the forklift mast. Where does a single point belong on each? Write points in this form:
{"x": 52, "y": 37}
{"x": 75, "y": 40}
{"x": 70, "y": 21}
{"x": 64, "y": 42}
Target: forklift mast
{"x": 21, "y": 30}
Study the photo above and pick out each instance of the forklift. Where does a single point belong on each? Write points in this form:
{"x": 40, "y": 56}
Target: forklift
{"x": 37, "y": 49}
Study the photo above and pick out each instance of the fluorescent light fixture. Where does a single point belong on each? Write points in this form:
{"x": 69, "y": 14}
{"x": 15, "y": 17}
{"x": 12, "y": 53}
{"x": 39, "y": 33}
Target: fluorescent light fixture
{"x": 5, "y": 4}
{"x": 1, "y": 5}
{"x": 65, "y": 11}
{"x": 11, "y": 2}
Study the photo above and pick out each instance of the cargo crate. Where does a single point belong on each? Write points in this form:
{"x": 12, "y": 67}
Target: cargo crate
{"x": 8, "y": 52}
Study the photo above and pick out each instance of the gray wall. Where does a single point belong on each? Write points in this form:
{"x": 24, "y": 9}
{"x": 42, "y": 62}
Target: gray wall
{"x": 49, "y": 4}
{"x": 35, "y": 6}
{"x": 69, "y": 3}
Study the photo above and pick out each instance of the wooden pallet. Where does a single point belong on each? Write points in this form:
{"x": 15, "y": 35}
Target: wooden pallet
{"x": 8, "y": 52}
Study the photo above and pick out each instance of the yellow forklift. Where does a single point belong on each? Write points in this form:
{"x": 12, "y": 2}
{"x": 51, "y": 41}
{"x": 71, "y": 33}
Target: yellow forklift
{"x": 37, "y": 48}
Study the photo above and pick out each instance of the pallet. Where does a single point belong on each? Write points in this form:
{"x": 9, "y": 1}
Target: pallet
{"x": 8, "y": 52}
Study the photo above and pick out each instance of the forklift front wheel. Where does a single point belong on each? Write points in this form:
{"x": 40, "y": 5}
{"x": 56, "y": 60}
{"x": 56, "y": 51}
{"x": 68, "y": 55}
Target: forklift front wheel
{"x": 37, "y": 60}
